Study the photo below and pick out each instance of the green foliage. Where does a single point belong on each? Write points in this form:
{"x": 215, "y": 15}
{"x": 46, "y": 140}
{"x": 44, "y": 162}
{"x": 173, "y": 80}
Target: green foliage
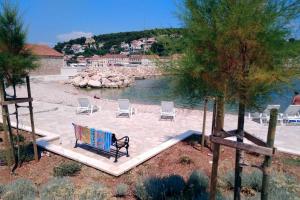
{"x": 173, "y": 185}
{"x": 186, "y": 160}
{"x": 20, "y": 189}
{"x": 121, "y": 190}
{"x": 58, "y": 189}
{"x": 170, "y": 187}
{"x": 26, "y": 154}
{"x": 94, "y": 192}
{"x": 140, "y": 190}
{"x": 252, "y": 180}
{"x": 21, "y": 139}
{"x": 163, "y": 47}
{"x": 292, "y": 161}
{"x": 1, "y": 189}
{"x": 66, "y": 169}
{"x": 198, "y": 183}
{"x": 282, "y": 186}
{"x": 228, "y": 179}
{"x": 15, "y": 59}
{"x": 237, "y": 49}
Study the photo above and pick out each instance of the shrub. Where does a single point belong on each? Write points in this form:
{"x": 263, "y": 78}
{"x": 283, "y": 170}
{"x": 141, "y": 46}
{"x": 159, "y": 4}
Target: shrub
{"x": 252, "y": 180}
{"x": 66, "y": 169}
{"x": 228, "y": 179}
{"x": 155, "y": 188}
{"x": 173, "y": 185}
{"x": 19, "y": 190}
{"x": 140, "y": 190}
{"x": 26, "y": 152}
{"x": 121, "y": 190}
{"x": 185, "y": 160}
{"x": 1, "y": 189}
{"x": 283, "y": 186}
{"x": 170, "y": 187}
{"x": 15, "y": 138}
{"x": 197, "y": 182}
{"x": 2, "y": 158}
{"x": 94, "y": 192}
{"x": 58, "y": 189}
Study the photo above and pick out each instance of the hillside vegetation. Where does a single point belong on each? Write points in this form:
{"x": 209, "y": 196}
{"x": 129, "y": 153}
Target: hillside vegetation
{"x": 104, "y": 42}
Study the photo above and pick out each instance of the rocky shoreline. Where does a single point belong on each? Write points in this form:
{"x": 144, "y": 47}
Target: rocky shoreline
{"x": 112, "y": 77}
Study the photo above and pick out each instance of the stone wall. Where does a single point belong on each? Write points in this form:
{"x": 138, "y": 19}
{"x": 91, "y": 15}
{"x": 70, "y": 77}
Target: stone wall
{"x": 48, "y": 66}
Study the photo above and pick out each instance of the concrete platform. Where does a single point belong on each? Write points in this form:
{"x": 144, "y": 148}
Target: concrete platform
{"x": 54, "y": 113}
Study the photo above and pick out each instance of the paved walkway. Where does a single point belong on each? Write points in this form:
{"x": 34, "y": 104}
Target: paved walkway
{"x": 54, "y": 113}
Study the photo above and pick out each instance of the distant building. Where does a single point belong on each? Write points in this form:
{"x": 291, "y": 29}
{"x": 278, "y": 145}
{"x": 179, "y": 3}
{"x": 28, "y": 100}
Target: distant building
{"x": 95, "y": 61}
{"x": 50, "y": 61}
{"x": 89, "y": 41}
{"x": 109, "y": 60}
{"x": 115, "y": 60}
{"x": 145, "y": 60}
{"x": 77, "y": 48}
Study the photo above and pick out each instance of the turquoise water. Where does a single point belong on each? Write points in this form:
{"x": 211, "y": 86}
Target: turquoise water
{"x": 155, "y": 90}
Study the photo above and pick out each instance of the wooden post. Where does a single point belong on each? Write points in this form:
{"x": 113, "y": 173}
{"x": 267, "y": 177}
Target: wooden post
{"x": 238, "y": 153}
{"x": 31, "y": 120}
{"x": 7, "y": 140}
{"x": 204, "y": 123}
{"x": 216, "y": 148}
{"x": 268, "y": 159}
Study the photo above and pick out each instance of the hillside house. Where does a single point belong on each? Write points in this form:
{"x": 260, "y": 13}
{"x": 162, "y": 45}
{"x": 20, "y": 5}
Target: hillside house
{"x": 49, "y": 60}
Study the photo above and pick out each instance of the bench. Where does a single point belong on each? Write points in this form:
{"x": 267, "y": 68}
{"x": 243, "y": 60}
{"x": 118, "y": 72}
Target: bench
{"x": 100, "y": 140}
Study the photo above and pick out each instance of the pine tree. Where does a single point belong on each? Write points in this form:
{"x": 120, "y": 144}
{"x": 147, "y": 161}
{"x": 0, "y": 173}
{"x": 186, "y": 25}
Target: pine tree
{"x": 15, "y": 62}
{"x": 238, "y": 50}
{"x": 15, "y": 59}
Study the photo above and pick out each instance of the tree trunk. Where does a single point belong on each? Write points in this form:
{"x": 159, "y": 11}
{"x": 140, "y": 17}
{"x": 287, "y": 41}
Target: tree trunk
{"x": 238, "y": 154}
{"x": 9, "y": 150}
{"x": 17, "y": 122}
{"x": 204, "y": 123}
{"x": 268, "y": 159}
{"x": 216, "y": 147}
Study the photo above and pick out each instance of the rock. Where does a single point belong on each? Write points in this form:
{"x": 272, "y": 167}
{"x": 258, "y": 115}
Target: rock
{"x": 75, "y": 81}
{"x": 105, "y": 81}
{"x": 94, "y": 84}
{"x": 96, "y": 77}
{"x": 112, "y": 85}
{"x": 126, "y": 83}
{"x": 112, "y": 77}
{"x": 84, "y": 82}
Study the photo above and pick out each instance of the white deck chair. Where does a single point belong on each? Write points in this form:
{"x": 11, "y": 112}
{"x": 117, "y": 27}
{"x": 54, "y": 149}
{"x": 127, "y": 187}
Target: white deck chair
{"x": 125, "y": 108}
{"x": 84, "y": 105}
{"x": 291, "y": 114}
{"x": 167, "y": 110}
{"x": 263, "y": 117}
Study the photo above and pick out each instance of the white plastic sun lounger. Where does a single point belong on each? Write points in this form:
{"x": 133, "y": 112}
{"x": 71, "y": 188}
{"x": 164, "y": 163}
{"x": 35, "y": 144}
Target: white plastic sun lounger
{"x": 167, "y": 110}
{"x": 125, "y": 108}
{"x": 85, "y": 106}
{"x": 291, "y": 115}
{"x": 263, "y": 117}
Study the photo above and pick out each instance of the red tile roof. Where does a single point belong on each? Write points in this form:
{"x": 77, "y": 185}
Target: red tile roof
{"x": 43, "y": 50}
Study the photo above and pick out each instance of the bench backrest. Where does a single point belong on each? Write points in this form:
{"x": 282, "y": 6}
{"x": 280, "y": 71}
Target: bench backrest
{"x": 167, "y": 106}
{"x": 96, "y": 138}
{"x": 270, "y": 107}
{"x": 84, "y": 102}
{"x": 292, "y": 110}
{"x": 124, "y": 104}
